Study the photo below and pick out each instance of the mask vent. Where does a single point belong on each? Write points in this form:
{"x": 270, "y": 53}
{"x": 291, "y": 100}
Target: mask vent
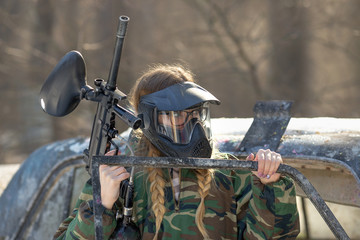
{"x": 202, "y": 149}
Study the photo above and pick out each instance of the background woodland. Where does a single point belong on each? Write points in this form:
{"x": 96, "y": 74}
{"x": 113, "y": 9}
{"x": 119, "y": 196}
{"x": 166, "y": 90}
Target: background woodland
{"x": 240, "y": 50}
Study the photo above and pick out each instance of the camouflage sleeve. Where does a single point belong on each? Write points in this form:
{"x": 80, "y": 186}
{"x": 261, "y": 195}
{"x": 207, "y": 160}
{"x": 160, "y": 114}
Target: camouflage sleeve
{"x": 268, "y": 211}
{"x": 80, "y": 224}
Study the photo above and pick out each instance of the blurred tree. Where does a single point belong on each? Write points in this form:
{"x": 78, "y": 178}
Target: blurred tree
{"x": 335, "y": 57}
{"x": 242, "y": 51}
{"x": 287, "y": 74}
{"x": 231, "y": 39}
{"x": 15, "y": 56}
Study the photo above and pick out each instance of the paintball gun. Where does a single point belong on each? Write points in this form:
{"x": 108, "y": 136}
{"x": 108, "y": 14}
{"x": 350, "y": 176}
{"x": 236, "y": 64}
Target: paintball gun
{"x": 62, "y": 91}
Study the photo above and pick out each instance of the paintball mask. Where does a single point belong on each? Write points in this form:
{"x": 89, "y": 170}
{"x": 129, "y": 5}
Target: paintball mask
{"x": 176, "y": 120}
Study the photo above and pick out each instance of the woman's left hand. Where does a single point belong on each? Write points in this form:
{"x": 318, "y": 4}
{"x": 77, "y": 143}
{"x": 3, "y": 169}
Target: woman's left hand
{"x": 268, "y": 163}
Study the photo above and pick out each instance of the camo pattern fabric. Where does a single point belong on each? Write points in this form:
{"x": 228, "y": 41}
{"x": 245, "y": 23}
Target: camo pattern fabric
{"x": 238, "y": 206}
{"x": 80, "y": 224}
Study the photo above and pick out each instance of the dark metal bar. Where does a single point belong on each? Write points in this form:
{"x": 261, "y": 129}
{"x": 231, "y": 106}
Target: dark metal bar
{"x": 127, "y": 116}
{"x": 120, "y": 35}
{"x": 306, "y": 222}
{"x": 97, "y": 200}
{"x": 204, "y": 163}
{"x": 269, "y": 124}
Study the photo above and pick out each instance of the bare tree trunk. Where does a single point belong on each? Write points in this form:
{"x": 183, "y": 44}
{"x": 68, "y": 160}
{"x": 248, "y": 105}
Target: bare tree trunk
{"x": 354, "y": 45}
{"x": 335, "y": 57}
{"x": 288, "y": 63}
{"x": 221, "y": 29}
{"x": 17, "y": 55}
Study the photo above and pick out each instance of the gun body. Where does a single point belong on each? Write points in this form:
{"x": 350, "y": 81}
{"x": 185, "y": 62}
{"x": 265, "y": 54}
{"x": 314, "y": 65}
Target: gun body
{"x": 99, "y": 140}
{"x": 107, "y": 95}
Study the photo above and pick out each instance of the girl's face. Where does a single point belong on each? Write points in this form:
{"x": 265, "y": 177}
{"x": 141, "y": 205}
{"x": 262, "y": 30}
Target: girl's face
{"x": 179, "y": 118}
{"x": 178, "y": 125}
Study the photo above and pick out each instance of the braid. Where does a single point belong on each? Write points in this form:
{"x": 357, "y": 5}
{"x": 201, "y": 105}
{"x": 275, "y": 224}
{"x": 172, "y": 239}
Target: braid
{"x": 204, "y": 182}
{"x": 157, "y": 185}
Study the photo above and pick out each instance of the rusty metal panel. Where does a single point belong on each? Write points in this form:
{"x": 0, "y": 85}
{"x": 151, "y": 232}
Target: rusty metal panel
{"x": 43, "y": 182}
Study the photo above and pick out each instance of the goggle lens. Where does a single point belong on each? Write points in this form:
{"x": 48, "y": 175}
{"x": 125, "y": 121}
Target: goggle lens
{"x": 178, "y": 126}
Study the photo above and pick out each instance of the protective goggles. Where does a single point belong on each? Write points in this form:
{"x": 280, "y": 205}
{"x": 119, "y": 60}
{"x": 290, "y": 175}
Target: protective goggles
{"x": 178, "y": 126}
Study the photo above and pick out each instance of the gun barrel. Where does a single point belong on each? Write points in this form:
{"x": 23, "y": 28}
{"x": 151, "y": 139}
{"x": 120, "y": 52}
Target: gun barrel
{"x": 128, "y": 117}
{"x": 123, "y": 21}
{"x": 120, "y": 35}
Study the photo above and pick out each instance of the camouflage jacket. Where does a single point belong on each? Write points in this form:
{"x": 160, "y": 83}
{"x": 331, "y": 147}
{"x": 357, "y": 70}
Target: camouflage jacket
{"x": 238, "y": 206}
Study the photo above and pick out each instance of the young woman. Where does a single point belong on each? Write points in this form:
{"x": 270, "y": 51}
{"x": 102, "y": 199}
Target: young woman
{"x": 188, "y": 203}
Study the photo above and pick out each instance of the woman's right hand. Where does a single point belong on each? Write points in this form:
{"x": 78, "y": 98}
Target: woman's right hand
{"x": 110, "y": 179}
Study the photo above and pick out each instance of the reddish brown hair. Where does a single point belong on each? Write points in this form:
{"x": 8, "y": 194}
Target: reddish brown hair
{"x": 156, "y": 79}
